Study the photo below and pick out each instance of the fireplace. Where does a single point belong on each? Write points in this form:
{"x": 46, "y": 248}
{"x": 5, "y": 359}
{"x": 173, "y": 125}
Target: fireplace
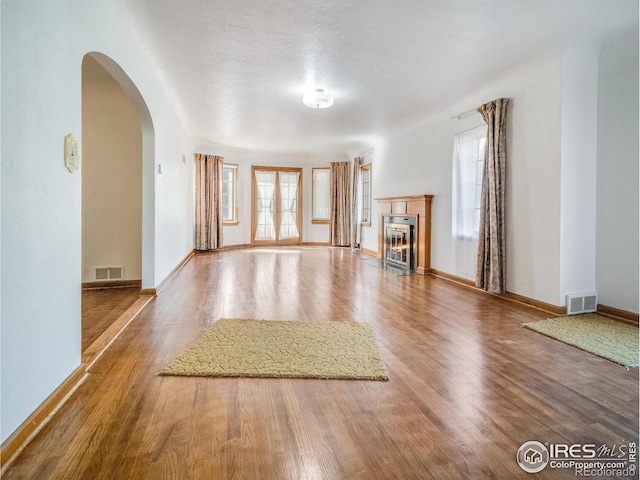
{"x": 399, "y": 244}
{"x": 414, "y": 211}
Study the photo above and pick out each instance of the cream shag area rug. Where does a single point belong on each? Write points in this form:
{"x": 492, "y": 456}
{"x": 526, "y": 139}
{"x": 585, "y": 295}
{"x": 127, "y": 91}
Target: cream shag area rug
{"x": 265, "y": 348}
{"x": 601, "y": 336}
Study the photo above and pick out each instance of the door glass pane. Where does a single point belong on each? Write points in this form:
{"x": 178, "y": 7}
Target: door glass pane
{"x": 266, "y": 187}
{"x": 289, "y": 204}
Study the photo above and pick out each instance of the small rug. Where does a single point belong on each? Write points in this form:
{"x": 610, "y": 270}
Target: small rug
{"x": 593, "y": 333}
{"x": 288, "y": 349}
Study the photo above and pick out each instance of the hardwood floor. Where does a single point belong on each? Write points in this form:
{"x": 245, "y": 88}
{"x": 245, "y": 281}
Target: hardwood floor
{"x": 101, "y": 307}
{"x": 468, "y": 385}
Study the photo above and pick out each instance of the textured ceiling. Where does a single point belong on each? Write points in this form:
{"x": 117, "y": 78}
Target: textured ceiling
{"x": 239, "y": 68}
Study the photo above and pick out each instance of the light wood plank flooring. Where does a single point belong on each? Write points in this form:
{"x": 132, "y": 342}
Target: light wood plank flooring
{"x": 101, "y": 307}
{"x": 468, "y": 385}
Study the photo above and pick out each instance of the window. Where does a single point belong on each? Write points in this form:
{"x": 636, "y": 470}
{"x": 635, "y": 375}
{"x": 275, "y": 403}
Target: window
{"x": 468, "y": 168}
{"x": 320, "y": 195}
{"x": 230, "y": 194}
{"x": 365, "y": 172}
{"x": 468, "y": 172}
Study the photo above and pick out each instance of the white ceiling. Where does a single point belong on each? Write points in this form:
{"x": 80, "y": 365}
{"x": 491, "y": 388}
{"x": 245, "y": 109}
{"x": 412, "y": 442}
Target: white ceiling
{"x": 239, "y": 68}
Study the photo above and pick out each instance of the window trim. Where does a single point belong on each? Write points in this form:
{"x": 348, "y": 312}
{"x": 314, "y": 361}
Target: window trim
{"x": 234, "y": 168}
{"x": 363, "y": 168}
{"x": 314, "y": 220}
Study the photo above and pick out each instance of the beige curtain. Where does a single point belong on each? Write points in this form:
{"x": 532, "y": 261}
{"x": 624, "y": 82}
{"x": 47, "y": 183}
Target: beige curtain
{"x": 340, "y": 215}
{"x": 491, "y": 268}
{"x": 355, "y": 210}
{"x": 208, "y": 202}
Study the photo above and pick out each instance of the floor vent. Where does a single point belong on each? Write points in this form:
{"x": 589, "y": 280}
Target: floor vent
{"x": 582, "y": 303}
{"x": 110, "y": 273}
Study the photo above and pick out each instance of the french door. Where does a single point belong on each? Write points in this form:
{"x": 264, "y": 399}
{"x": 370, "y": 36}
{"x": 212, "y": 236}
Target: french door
{"x": 276, "y": 214}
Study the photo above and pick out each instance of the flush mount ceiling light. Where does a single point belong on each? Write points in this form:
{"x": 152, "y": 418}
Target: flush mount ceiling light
{"x": 318, "y": 99}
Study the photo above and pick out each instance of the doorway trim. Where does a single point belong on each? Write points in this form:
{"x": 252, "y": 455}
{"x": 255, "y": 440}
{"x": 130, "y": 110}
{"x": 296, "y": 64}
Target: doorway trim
{"x": 148, "y": 164}
{"x": 254, "y": 213}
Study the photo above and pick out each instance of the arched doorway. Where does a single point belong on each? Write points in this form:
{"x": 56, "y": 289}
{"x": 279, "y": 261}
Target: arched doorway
{"x": 118, "y": 192}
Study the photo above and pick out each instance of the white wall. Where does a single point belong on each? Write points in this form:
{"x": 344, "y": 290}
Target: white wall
{"x": 41, "y": 214}
{"x": 111, "y": 176}
{"x": 1, "y": 222}
{"x": 578, "y": 170}
{"x": 417, "y": 160}
{"x": 617, "y": 178}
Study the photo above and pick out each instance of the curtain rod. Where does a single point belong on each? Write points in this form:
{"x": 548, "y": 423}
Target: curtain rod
{"x": 465, "y": 114}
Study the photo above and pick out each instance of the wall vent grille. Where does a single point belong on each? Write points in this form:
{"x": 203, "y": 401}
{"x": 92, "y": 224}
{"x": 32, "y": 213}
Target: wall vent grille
{"x": 582, "y": 303}
{"x": 102, "y": 273}
{"x": 110, "y": 273}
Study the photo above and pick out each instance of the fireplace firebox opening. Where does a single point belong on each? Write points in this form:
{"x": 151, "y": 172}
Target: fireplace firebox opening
{"x": 399, "y": 243}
